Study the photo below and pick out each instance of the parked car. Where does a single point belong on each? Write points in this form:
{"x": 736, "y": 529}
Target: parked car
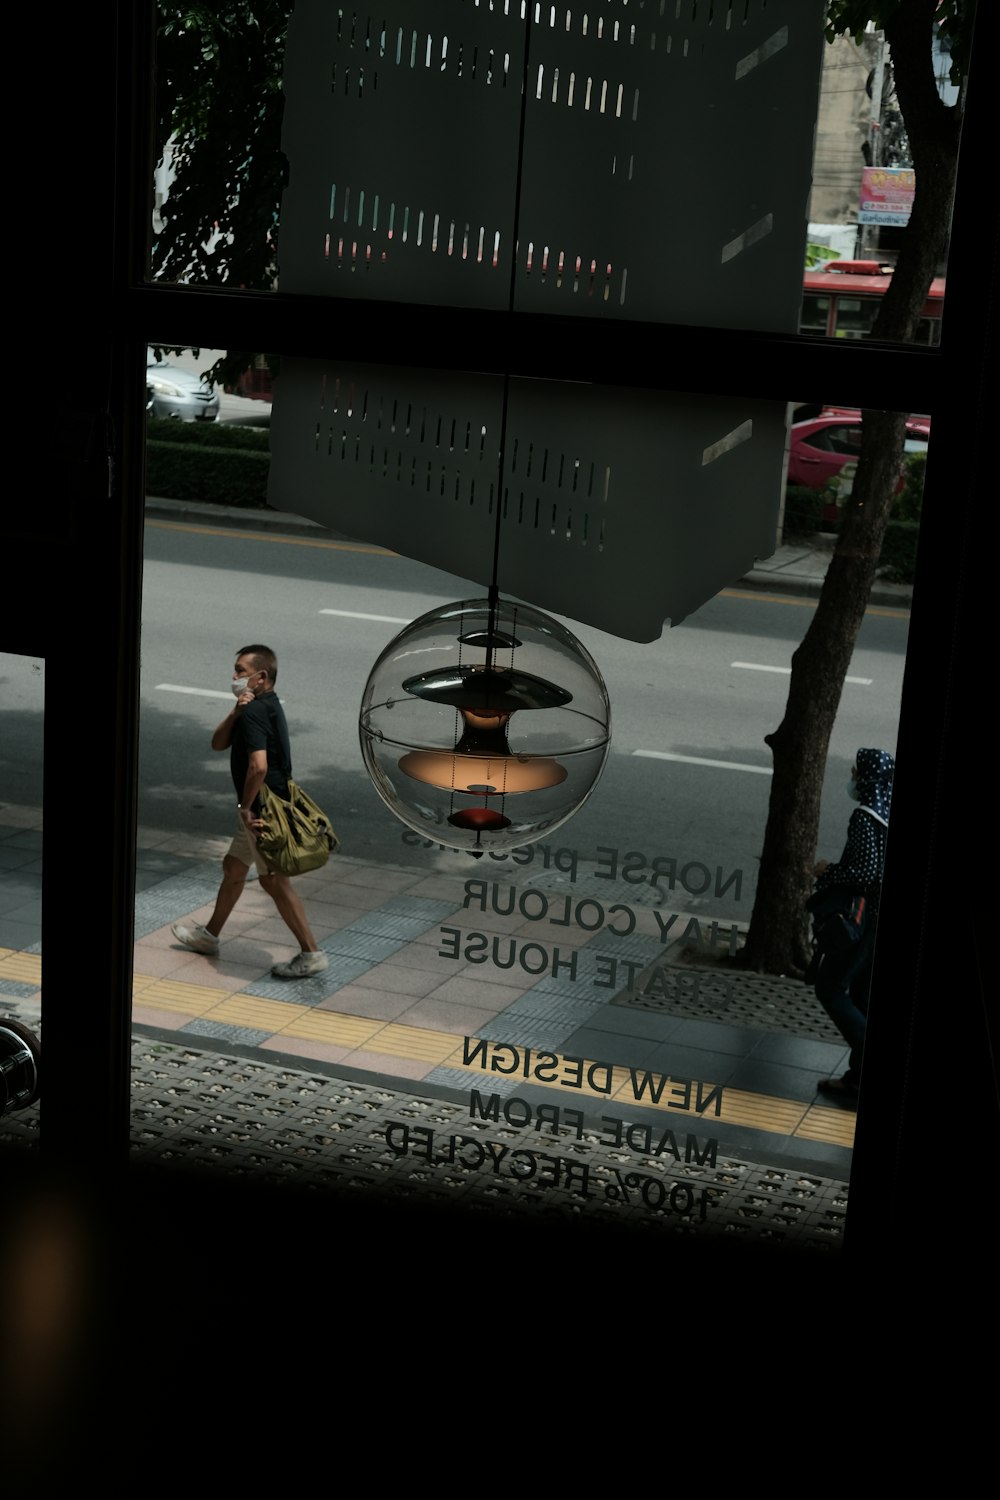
{"x": 178, "y": 394}
{"x": 827, "y": 447}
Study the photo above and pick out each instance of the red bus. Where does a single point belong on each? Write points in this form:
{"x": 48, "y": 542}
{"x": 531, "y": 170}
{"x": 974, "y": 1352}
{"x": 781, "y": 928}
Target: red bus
{"x": 841, "y": 298}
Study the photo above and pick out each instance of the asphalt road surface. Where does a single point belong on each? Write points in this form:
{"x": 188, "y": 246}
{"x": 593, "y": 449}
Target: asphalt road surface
{"x": 688, "y": 775}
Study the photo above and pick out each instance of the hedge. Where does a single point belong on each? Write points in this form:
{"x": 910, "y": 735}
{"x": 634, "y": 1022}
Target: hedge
{"x": 898, "y": 561}
{"x": 208, "y": 434}
{"x": 215, "y": 475}
{"x": 907, "y": 504}
{"x": 803, "y": 510}
{"x": 217, "y": 463}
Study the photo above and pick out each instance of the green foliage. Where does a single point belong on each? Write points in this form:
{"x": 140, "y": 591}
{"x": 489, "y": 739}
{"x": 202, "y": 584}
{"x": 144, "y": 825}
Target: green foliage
{"x": 219, "y": 105}
{"x": 908, "y": 502}
{"x": 817, "y": 254}
{"x": 208, "y": 434}
{"x": 803, "y": 510}
{"x": 229, "y": 369}
{"x": 213, "y": 474}
{"x": 898, "y": 562}
{"x": 954, "y": 20}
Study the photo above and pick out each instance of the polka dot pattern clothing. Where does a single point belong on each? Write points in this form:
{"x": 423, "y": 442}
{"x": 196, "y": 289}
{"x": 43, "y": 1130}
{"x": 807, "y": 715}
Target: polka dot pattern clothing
{"x": 860, "y": 865}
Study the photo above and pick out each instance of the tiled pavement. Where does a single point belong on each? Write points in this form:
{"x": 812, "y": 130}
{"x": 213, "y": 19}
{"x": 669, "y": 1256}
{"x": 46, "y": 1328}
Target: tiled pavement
{"x": 359, "y": 1079}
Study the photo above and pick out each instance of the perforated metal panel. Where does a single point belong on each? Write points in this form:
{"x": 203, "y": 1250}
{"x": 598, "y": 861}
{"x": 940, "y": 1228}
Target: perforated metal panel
{"x": 621, "y": 508}
{"x": 640, "y": 159}
{"x": 665, "y": 168}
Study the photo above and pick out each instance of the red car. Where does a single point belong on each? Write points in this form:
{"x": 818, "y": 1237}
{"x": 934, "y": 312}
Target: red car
{"x": 826, "y": 447}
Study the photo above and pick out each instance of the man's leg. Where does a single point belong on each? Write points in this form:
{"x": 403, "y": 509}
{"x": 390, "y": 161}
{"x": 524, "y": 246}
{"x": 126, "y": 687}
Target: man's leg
{"x": 310, "y": 959}
{"x": 234, "y": 875}
{"x": 206, "y": 939}
{"x": 290, "y": 909}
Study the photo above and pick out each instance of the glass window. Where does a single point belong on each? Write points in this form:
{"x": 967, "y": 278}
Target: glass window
{"x": 815, "y": 314}
{"x": 855, "y": 316}
{"x": 929, "y": 331}
{"x": 574, "y": 1009}
{"x": 838, "y": 440}
{"x": 22, "y": 707}
{"x": 576, "y": 1005}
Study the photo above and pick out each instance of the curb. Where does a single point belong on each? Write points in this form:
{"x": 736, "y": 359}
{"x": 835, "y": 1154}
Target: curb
{"x": 886, "y": 595}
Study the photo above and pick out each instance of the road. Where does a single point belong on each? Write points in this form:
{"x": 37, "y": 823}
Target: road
{"x": 687, "y": 778}
{"x": 688, "y": 775}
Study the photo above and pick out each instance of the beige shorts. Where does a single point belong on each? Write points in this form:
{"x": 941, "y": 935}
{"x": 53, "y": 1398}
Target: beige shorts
{"x": 244, "y": 848}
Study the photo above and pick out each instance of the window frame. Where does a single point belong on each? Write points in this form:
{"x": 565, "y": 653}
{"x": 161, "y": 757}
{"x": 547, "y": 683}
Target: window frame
{"x": 92, "y": 534}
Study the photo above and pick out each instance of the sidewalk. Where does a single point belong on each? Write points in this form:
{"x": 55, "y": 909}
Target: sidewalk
{"x": 381, "y": 1076}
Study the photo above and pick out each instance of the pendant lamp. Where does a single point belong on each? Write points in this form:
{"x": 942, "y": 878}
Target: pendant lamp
{"x": 485, "y": 724}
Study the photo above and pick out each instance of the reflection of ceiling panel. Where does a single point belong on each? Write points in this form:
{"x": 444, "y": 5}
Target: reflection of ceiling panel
{"x": 664, "y": 176}
{"x": 620, "y": 508}
{"x": 401, "y": 129}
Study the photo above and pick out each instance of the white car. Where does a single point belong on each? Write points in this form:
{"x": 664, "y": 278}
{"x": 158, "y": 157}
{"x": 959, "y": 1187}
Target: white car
{"x": 176, "y": 393}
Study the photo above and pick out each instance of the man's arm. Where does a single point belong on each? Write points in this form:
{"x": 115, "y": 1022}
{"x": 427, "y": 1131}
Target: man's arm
{"x": 222, "y": 737}
{"x": 256, "y": 771}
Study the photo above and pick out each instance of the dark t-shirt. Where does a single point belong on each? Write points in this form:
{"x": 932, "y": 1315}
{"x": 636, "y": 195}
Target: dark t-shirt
{"x": 261, "y": 726}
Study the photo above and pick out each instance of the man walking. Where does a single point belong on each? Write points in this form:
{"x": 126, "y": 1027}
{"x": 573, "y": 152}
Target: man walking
{"x": 256, "y": 735}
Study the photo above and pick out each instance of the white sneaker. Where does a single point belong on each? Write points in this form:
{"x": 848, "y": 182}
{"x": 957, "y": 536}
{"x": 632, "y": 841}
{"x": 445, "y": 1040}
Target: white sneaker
{"x": 301, "y": 966}
{"x": 197, "y": 938}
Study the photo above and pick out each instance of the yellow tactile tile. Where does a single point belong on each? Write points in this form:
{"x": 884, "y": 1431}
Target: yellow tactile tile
{"x": 329, "y": 1026}
{"x": 393, "y": 1039}
{"x": 413, "y": 1042}
{"x": 757, "y": 1111}
{"x": 189, "y": 999}
{"x": 761, "y": 1112}
{"x": 252, "y": 1010}
{"x": 835, "y": 1126}
{"x": 23, "y": 968}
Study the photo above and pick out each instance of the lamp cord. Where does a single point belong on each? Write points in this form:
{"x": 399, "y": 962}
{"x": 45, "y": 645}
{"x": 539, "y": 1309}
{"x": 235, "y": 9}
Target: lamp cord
{"x": 493, "y": 596}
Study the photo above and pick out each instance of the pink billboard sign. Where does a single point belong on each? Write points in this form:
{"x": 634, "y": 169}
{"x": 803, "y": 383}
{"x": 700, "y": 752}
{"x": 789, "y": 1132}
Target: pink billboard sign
{"x": 886, "y": 195}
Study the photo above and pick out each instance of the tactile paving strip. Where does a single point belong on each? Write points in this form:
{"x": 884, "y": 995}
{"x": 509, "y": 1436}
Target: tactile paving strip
{"x": 761, "y": 1001}
{"x": 218, "y": 1113}
{"x": 13, "y": 987}
{"x": 180, "y": 893}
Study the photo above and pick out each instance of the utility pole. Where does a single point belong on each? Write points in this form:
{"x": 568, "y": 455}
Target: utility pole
{"x": 868, "y": 233}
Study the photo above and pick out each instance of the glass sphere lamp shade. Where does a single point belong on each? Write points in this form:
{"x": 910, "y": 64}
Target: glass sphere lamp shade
{"x": 485, "y": 725}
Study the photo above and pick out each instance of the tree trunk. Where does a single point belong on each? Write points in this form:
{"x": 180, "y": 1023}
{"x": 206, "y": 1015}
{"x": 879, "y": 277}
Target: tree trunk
{"x": 778, "y": 937}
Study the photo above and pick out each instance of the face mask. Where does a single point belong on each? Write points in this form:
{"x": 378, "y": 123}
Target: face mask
{"x": 239, "y": 686}
{"x": 852, "y": 787}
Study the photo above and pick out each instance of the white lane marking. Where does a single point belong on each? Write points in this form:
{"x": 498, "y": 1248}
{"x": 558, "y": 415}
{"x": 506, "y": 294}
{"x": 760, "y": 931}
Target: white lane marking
{"x": 353, "y": 614}
{"x": 174, "y": 687}
{"x": 755, "y": 666}
{"x": 697, "y": 760}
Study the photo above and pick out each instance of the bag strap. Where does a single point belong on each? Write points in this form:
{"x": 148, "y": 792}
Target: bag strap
{"x": 274, "y": 730}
